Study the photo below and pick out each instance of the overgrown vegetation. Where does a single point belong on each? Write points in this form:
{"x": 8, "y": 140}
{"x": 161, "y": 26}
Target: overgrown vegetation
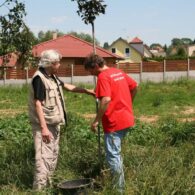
{"x": 159, "y": 157}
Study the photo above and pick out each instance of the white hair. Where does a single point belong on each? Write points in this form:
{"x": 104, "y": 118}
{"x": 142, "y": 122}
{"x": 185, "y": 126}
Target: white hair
{"x": 48, "y": 57}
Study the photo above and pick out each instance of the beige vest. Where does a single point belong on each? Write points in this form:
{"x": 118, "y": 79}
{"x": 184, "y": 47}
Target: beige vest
{"x": 52, "y": 105}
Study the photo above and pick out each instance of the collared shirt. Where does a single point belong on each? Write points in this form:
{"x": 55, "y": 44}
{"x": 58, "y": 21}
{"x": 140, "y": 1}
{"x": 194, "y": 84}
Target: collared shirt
{"x": 38, "y": 86}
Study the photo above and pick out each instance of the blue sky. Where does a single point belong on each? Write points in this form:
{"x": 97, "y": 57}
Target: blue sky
{"x": 153, "y": 21}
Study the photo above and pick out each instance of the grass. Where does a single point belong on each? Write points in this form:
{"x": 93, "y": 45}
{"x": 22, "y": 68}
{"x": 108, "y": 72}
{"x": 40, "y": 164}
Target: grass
{"x": 164, "y": 98}
{"x": 158, "y": 157}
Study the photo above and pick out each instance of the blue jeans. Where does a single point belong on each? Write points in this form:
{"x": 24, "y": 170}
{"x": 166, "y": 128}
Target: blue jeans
{"x": 114, "y": 158}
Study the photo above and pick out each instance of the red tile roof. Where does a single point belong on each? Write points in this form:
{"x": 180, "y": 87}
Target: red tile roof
{"x": 136, "y": 40}
{"x": 70, "y": 46}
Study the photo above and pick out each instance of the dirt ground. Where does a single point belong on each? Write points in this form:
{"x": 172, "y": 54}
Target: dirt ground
{"x": 188, "y": 115}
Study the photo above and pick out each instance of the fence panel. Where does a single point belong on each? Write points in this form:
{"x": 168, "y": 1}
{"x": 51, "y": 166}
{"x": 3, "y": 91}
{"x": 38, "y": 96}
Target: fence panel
{"x": 31, "y": 72}
{"x": 176, "y": 65}
{"x": 153, "y": 67}
{"x": 64, "y": 71}
{"x": 192, "y": 64}
{"x": 79, "y": 70}
{"x": 130, "y": 67}
{"x": 15, "y": 74}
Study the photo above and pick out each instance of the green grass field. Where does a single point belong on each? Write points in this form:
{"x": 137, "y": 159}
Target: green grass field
{"x": 159, "y": 155}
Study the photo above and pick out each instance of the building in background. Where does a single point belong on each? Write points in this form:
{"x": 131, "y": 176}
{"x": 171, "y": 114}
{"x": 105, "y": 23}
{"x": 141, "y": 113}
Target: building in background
{"x": 132, "y": 52}
{"x": 191, "y": 50}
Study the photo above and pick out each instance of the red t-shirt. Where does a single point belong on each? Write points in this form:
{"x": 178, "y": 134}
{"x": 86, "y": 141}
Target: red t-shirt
{"x": 117, "y": 85}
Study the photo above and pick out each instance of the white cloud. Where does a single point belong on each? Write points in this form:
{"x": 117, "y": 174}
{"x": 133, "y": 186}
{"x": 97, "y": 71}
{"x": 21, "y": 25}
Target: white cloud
{"x": 58, "y": 19}
{"x": 37, "y": 29}
{"x": 87, "y": 31}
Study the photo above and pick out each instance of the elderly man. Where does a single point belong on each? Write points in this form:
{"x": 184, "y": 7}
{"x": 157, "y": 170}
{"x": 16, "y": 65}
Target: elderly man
{"x": 115, "y": 91}
{"x": 47, "y": 112}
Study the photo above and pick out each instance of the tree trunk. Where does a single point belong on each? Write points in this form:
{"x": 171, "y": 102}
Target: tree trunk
{"x": 93, "y": 35}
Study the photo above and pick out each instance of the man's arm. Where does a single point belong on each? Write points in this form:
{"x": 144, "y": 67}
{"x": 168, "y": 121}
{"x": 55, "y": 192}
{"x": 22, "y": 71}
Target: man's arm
{"x": 73, "y": 88}
{"x": 104, "y": 102}
{"x": 133, "y": 93}
{"x": 46, "y": 134}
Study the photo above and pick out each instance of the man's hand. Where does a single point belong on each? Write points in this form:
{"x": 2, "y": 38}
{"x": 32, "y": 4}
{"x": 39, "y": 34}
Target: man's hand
{"x": 94, "y": 126}
{"x": 46, "y": 135}
{"x": 90, "y": 92}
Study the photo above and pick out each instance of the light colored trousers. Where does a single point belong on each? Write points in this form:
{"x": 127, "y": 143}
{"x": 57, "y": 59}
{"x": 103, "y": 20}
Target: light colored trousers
{"x": 46, "y": 155}
{"x": 114, "y": 158}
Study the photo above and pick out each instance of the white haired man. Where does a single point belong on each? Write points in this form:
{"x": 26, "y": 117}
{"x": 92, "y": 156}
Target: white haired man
{"x": 47, "y": 112}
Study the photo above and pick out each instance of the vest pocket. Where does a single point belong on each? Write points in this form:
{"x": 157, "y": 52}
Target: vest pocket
{"x": 50, "y": 110}
{"x": 52, "y": 115}
{"x": 51, "y": 98}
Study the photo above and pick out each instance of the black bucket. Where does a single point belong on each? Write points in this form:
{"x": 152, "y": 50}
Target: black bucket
{"x": 75, "y": 187}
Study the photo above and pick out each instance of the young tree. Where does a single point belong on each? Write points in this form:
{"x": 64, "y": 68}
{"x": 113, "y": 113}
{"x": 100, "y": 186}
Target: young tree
{"x": 88, "y": 10}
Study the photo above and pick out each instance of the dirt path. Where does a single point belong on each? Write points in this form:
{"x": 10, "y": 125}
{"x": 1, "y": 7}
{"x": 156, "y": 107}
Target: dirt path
{"x": 188, "y": 115}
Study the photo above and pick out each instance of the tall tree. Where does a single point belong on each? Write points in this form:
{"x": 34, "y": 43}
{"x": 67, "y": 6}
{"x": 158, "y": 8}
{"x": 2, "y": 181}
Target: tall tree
{"x": 181, "y": 52}
{"x": 165, "y": 48}
{"x": 176, "y": 42}
{"x": 186, "y": 41}
{"x": 48, "y": 35}
{"x": 106, "y": 45}
{"x": 13, "y": 30}
{"x": 155, "y": 45}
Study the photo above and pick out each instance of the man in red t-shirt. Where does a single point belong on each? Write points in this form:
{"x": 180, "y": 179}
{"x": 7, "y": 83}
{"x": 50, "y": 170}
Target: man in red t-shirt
{"x": 115, "y": 91}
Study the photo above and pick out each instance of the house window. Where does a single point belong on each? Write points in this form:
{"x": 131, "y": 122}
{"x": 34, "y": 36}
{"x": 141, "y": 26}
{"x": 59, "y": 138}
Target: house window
{"x": 127, "y": 52}
{"x": 113, "y": 50}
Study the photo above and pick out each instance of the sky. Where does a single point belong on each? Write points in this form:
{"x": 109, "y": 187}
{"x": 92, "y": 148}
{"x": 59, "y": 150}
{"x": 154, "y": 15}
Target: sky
{"x": 153, "y": 21}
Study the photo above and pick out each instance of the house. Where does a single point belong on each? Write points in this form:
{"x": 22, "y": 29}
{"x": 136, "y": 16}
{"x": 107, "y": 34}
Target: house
{"x": 141, "y": 47}
{"x": 191, "y": 50}
{"x": 132, "y": 52}
{"x": 122, "y": 48}
{"x": 72, "y": 49}
{"x": 147, "y": 52}
{"x": 158, "y": 51}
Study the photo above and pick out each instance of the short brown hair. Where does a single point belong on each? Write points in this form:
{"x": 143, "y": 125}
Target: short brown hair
{"x": 93, "y": 59}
